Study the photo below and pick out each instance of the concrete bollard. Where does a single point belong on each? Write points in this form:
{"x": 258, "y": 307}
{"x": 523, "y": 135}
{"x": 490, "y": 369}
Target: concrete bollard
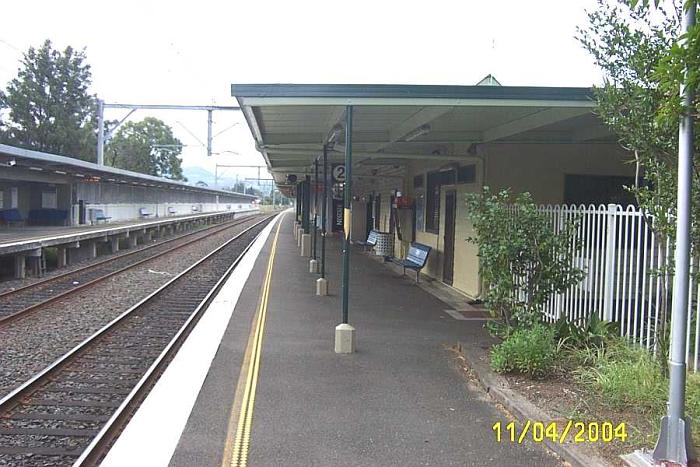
{"x": 300, "y": 232}
{"x": 313, "y": 266}
{"x": 305, "y": 244}
{"x": 344, "y": 338}
{"x": 321, "y": 287}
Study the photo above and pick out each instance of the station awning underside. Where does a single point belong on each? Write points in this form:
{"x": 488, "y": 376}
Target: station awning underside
{"x": 14, "y": 159}
{"x": 395, "y": 124}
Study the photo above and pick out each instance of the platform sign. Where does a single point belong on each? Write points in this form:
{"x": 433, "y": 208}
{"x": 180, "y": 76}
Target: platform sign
{"x": 338, "y": 215}
{"x": 338, "y": 173}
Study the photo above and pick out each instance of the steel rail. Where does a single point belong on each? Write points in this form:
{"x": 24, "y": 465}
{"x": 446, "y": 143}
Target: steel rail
{"x": 8, "y": 402}
{"x": 100, "y": 444}
{"x": 4, "y": 320}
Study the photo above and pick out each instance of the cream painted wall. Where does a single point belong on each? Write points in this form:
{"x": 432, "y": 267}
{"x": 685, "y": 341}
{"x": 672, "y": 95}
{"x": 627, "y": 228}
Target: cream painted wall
{"x": 540, "y": 169}
{"x": 537, "y": 168}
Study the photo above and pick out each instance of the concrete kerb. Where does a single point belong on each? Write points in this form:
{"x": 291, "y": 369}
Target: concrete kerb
{"x": 499, "y": 390}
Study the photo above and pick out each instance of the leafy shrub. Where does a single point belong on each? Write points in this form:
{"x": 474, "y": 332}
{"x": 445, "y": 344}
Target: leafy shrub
{"x": 522, "y": 258}
{"x": 531, "y": 351}
{"x": 585, "y": 332}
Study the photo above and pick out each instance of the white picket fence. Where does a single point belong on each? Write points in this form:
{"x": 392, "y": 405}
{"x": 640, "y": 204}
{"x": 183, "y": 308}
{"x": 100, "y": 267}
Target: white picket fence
{"x": 621, "y": 258}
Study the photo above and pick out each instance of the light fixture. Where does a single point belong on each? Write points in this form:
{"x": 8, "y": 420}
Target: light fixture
{"x": 420, "y": 131}
{"x": 12, "y": 162}
{"x": 334, "y": 134}
{"x": 60, "y": 172}
{"x": 36, "y": 169}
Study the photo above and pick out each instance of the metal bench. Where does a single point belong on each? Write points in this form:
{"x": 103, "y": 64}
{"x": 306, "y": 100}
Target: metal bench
{"x": 11, "y": 216}
{"x": 47, "y": 216}
{"x": 143, "y": 212}
{"x": 171, "y": 210}
{"x": 370, "y": 242}
{"x": 415, "y": 259}
{"x": 99, "y": 215}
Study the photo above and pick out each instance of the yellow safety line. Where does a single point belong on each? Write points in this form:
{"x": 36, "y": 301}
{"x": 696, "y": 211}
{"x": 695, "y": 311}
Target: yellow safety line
{"x": 251, "y": 367}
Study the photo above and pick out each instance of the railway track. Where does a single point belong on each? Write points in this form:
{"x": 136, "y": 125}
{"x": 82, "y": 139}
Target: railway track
{"x": 21, "y": 301}
{"x": 70, "y": 412}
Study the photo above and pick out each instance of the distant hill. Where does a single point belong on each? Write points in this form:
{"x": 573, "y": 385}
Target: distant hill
{"x": 199, "y": 174}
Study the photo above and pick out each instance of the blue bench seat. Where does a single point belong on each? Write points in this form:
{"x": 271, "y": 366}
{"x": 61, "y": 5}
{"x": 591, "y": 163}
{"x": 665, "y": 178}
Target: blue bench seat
{"x": 11, "y": 216}
{"x": 47, "y": 216}
{"x": 99, "y": 215}
{"x": 370, "y": 242}
{"x": 415, "y": 259}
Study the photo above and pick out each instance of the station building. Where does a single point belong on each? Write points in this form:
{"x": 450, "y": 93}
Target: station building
{"x": 416, "y": 151}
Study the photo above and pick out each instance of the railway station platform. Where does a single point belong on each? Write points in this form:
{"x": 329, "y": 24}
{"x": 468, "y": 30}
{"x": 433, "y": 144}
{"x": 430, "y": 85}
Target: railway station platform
{"x": 75, "y": 243}
{"x": 274, "y": 392}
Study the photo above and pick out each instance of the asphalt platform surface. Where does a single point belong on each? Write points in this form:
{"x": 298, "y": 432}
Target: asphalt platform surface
{"x": 398, "y": 401}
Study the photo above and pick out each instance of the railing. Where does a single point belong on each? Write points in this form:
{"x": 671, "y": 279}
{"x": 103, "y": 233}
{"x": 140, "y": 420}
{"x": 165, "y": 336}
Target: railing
{"x": 626, "y": 279}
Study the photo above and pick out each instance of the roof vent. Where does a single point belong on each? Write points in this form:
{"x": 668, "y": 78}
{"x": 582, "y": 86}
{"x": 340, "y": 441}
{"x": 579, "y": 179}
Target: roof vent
{"x": 489, "y": 80}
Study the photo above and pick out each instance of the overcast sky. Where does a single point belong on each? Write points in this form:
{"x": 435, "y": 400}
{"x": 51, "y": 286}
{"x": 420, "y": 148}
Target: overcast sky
{"x": 171, "y": 52}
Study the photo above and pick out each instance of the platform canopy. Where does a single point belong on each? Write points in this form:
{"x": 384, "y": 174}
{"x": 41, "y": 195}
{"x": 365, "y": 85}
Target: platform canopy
{"x": 394, "y": 124}
{"x": 14, "y": 159}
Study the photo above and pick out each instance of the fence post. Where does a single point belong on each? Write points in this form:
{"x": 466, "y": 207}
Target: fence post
{"x": 609, "y": 284}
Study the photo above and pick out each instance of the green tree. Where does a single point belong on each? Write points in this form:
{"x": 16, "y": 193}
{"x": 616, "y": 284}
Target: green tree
{"x": 50, "y": 108}
{"x": 148, "y": 147}
{"x": 638, "y": 46}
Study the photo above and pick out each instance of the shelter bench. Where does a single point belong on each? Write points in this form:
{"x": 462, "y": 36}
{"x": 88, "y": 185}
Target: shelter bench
{"x": 99, "y": 215}
{"x": 370, "y": 242}
{"x": 415, "y": 259}
{"x": 11, "y": 216}
{"x": 172, "y": 210}
{"x": 143, "y": 212}
{"x": 47, "y": 216}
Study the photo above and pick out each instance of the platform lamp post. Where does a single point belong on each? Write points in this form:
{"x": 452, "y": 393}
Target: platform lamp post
{"x": 344, "y": 333}
{"x": 322, "y": 282}
{"x": 675, "y": 444}
{"x": 100, "y": 132}
{"x": 313, "y": 262}
{"x": 306, "y": 218}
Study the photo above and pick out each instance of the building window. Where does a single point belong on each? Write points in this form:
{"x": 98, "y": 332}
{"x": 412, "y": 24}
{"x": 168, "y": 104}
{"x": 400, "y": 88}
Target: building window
{"x": 597, "y": 189}
{"x": 418, "y": 181}
{"x": 466, "y": 174}
{"x": 432, "y": 198}
{"x": 49, "y": 200}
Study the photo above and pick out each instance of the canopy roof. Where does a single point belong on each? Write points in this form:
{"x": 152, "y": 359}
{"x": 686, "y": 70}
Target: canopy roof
{"x": 393, "y": 124}
{"x": 11, "y": 156}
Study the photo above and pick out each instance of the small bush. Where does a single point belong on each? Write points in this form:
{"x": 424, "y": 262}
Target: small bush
{"x": 584, "y": 333}
{"x": 627, "y": 375}
{"x": 530, "y": 351}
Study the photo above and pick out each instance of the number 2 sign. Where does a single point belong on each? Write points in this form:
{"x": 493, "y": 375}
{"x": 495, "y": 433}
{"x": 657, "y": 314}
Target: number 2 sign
{"x": 339, "y": 173}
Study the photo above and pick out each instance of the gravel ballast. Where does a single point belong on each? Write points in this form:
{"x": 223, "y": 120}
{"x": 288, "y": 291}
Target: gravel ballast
{"x": 35, "y": 341}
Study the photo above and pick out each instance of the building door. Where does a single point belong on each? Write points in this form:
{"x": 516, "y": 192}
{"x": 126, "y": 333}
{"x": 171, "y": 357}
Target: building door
{"x": 369, "y": 219}
{"x": 449, "y": 244}
{"x": 377, "y": 210}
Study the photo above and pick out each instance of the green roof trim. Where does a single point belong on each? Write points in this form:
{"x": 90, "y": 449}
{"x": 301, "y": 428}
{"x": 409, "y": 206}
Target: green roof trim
{"x": 401, "y": 91}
